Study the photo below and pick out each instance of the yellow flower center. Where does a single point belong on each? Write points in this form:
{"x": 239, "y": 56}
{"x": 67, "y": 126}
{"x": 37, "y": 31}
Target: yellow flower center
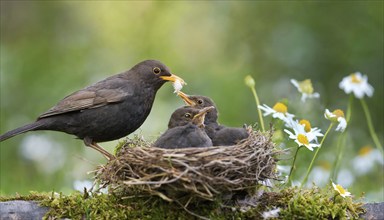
{"x": 302, "y": 139}
{"x": 280, "y": 107}
{"x": 325, "y": 165}
{"x": 365, "y": 150}
{"x": 306, "y": 86}
{"x": 340, "y": 189}
{"x": 338, "y": 113}
{"x": 307, "y": 125}
{"x": 355, "y": 79}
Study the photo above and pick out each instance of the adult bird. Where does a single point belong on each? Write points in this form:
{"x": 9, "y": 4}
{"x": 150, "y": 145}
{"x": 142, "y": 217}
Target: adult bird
{"x": 185, "y": 129}
{"x": 107, "y": 110}
{"x": 220, "y": 135}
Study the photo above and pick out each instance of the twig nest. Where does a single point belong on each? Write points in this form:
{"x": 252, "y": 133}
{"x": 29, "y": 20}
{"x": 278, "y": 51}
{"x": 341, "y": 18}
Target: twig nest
{"x": 192, "y": 172}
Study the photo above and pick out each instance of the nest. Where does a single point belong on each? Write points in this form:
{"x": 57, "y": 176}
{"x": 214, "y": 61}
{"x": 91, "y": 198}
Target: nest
{"x": 192, "y": 172}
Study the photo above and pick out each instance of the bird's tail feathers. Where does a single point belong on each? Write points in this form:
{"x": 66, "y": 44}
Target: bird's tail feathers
{"x": 20, "y": 130}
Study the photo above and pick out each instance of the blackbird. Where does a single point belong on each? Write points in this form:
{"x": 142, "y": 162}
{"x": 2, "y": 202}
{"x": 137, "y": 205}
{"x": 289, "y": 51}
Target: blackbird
{"x": 107, "y": 110}
{"x": 185, "y": 129}
{"x": 219, "y": 134}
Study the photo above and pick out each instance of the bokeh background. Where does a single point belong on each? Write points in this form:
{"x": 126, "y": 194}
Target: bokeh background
{"x": 50, "y": 49}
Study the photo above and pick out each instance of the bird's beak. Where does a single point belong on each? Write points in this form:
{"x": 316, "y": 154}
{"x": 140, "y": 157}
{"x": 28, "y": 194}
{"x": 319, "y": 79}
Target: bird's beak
{"x": 186, "y": 99}
{"x": 177, "y": 82}
{"x": 198, "y": 119}
{"x": 173, "y": 78}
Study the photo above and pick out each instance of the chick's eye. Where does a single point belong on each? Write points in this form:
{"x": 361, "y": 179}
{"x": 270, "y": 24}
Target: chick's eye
{"x": 199, "y": 101}
{"x": 187, "y": 115}
{"x": 156, "y": 70}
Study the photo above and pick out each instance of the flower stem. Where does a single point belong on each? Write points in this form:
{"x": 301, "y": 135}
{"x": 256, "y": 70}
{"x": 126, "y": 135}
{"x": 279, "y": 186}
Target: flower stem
{"x": 315, "y": 156}
{"x": 258, "y": 110}
{"x": 293, "y": 165}
{"x": 349, "y": 109}
{"x": 370, "y": 125}
{"x": 339, "y": 155}
{"x": 341, "y": 141}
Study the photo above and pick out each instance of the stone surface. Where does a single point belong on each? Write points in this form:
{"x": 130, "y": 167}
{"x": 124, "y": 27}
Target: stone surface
{"x": 17, "y": 210}
{"x": 374, "y": 211}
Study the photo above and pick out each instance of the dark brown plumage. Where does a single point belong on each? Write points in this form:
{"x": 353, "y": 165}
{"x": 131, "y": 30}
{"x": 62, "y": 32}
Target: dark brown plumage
{"x": 219, "y": 134}
{"x": 107, "y": 110}
{"x": 185, "y": 129}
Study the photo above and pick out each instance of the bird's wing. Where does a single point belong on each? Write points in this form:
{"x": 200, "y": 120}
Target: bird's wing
{"x": 90, "y": 97}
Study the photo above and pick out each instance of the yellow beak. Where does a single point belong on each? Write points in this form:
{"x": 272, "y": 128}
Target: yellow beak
{"x": 198, "y": 119}
{"x": 173, "y": 78}
{"x": 186, "y": 99}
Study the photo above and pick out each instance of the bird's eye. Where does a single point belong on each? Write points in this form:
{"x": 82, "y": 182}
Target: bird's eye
{"x": 187, "y": 115}
{"x": 199, "y": 101}
{"x": 156, "y": 70}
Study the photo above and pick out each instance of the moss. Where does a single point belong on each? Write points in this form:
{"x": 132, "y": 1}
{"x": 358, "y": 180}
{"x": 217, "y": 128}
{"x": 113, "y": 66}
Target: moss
{"x": 136, "y": 141}
{"x": 106, "y": 206}
{"x": 33, "y": 196}
{"x": 313, "y": 203}
{"x": 294, "y": 203}
{"x": 320, "y": 203}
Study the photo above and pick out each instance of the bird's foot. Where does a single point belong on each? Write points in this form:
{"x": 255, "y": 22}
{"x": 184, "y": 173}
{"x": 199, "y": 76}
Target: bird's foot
{"x": 89, "y": 143}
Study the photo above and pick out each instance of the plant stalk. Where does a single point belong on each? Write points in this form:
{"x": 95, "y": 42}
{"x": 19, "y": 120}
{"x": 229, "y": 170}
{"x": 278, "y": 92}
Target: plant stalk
{"x": 370, "y": 126}
{"x": 293, "y": 165}
{"x": 315, "y": 156}
{"x": 258, "y": 110}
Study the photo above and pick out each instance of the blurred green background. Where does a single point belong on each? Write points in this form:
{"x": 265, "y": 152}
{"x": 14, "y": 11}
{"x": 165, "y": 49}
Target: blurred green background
{"x": 50, "y": 49}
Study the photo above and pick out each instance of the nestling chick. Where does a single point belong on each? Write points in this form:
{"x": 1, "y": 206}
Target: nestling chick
{"x": 219, "y": 134}
{"x": 185, "y": 129}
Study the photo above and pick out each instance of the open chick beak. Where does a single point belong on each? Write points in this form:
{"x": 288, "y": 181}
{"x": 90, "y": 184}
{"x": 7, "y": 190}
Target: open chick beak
{"x": 198, "y": 119}
{"x": 186, "y": 99}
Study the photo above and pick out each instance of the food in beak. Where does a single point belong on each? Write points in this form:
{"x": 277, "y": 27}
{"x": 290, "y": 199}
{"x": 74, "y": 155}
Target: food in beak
{"x": 177, "y": 82}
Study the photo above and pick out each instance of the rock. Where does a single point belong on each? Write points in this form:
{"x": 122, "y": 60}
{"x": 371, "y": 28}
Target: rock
{"x": 18, "y": 210}
{"x": 374, "y": 211}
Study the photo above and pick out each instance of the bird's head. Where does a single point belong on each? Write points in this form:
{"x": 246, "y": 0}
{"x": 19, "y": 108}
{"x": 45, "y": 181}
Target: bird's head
{"x": 187, "y": 114}
{"x": 199, "y": 118}
{"x": 201, "y": 102}
{"x": 154, "y": 72}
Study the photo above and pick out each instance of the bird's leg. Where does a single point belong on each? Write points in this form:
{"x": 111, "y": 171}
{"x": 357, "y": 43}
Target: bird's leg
{"x": 89, "y": 143}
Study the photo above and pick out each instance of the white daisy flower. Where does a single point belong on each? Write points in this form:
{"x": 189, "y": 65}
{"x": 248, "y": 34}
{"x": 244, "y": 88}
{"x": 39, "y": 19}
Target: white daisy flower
{"x": 358, "y": 84}
{"x": 304, "y": 126}
{"x": 366, "y": 160}
{"x": 305, "y": 88}
{"x": 302, "y": 139}
{"x": 274, "y": 213}
{"x": 337, "y": 116}
{"x": 279, "y": 110}
{"x": 342, "y": 192}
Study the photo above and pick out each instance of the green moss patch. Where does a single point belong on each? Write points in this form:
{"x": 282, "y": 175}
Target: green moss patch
{"x": 294, "y": 203}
